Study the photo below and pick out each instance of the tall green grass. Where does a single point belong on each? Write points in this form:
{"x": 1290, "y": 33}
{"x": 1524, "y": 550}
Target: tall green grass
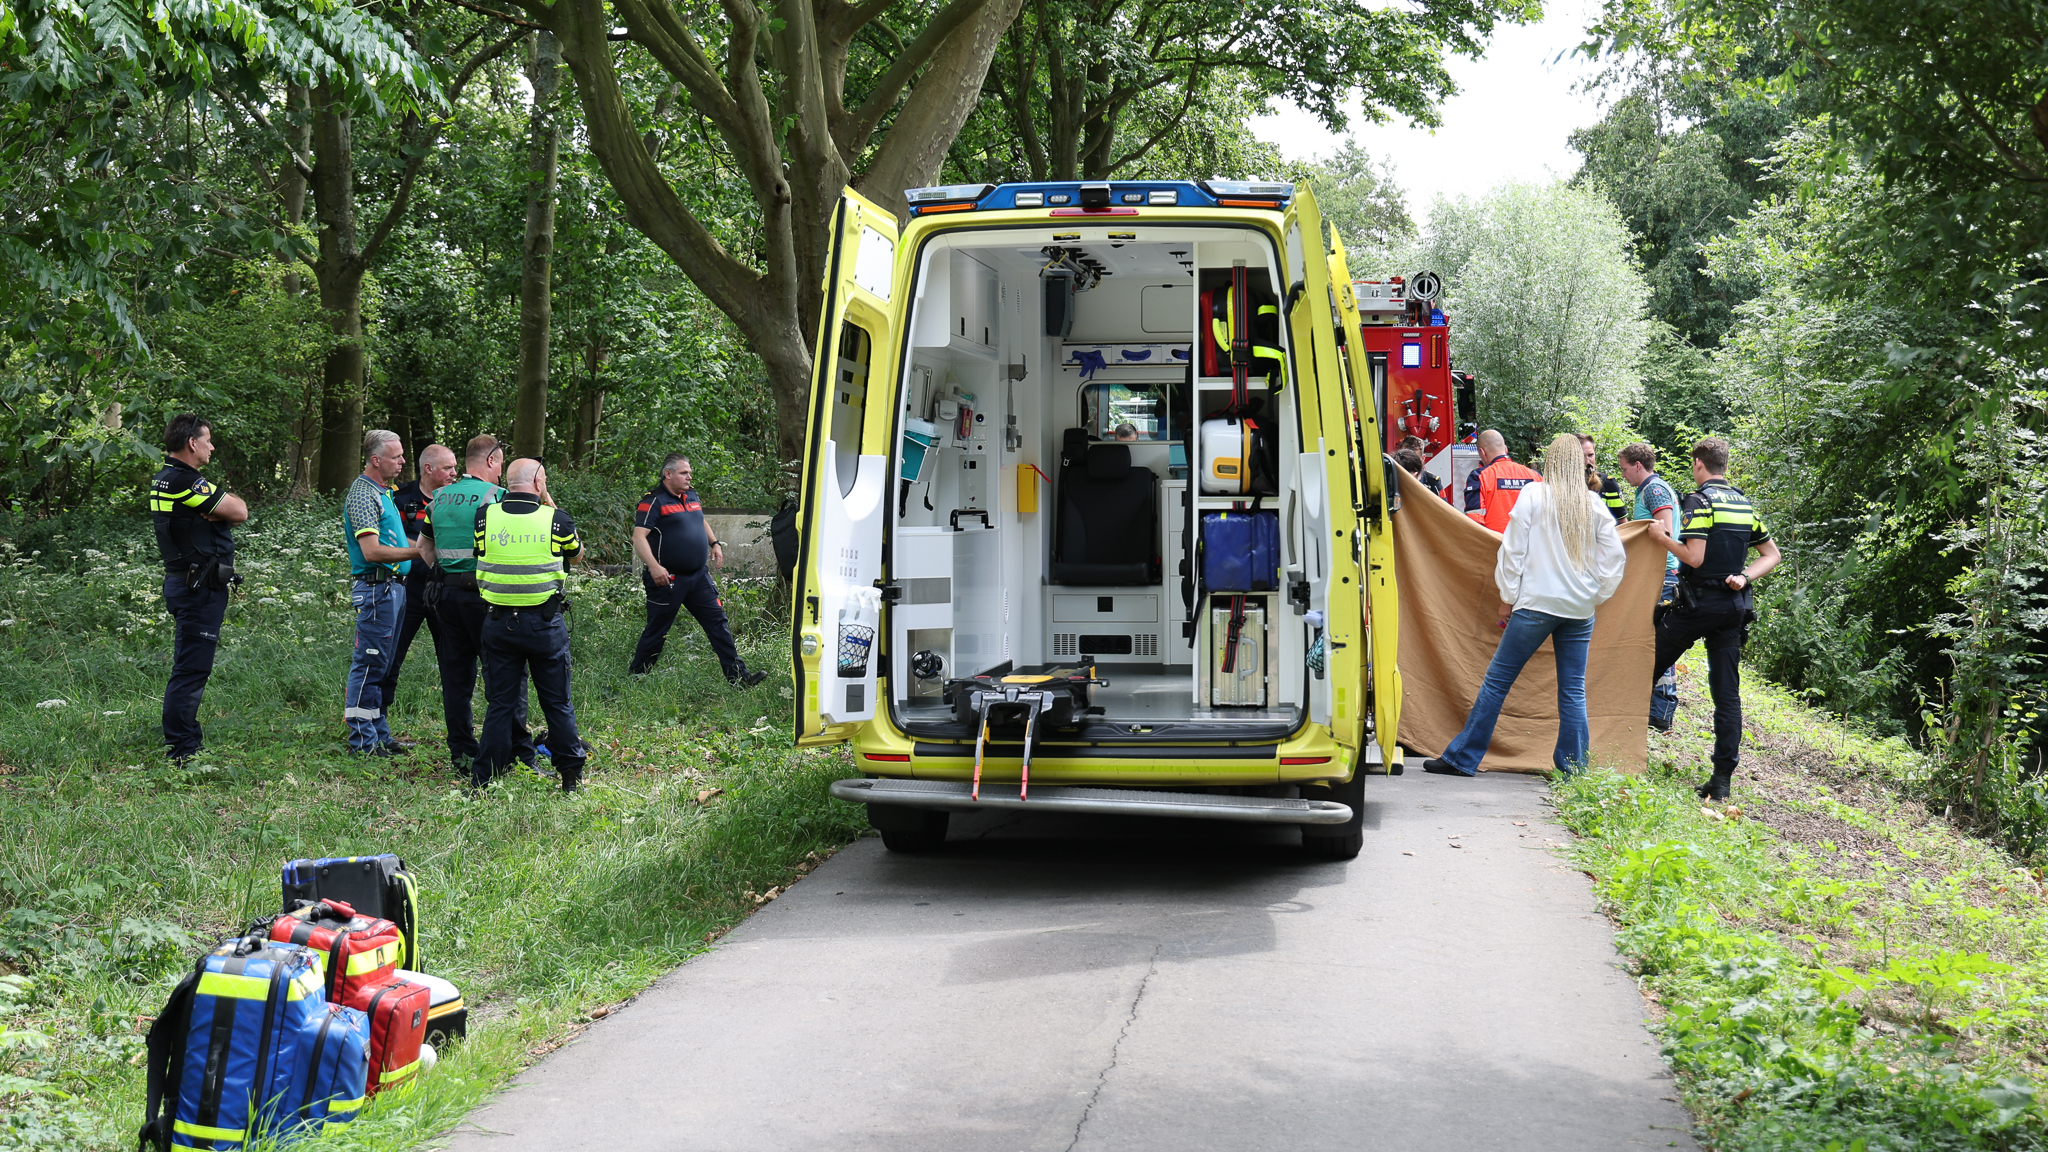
{"x": 1888, "y": 993}
{"x": 117, "y": 867}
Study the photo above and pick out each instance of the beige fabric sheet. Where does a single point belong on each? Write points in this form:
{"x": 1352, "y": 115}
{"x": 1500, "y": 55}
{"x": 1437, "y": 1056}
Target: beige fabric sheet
{"x": 1443, "y": 562}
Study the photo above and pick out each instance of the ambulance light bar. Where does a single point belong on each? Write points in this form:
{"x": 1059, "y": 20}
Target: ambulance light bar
{"x": 946, "y": 197}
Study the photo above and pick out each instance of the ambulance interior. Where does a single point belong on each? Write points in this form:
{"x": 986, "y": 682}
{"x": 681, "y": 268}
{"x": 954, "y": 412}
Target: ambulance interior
{"x": 1048, "y": 446}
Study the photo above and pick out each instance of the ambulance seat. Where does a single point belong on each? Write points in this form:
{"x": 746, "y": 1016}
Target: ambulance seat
{"x": 1108, "y": 525}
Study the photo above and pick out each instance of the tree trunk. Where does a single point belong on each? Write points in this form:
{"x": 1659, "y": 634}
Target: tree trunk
{"x": 775, "y": 122}
{"x": 341, "y": 290}
{"x": 292, "y": 199}
{"x": 589, "y": 405}
{"x": 529, "y": 425}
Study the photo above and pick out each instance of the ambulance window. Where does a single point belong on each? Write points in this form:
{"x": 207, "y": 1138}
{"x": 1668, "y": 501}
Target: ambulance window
{"x": 850, "y": 400}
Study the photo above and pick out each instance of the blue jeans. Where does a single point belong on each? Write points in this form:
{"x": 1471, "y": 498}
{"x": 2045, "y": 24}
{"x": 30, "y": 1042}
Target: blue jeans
{"x": 1525, "y": 632}
{"x": 1664, "y": 692}
{"x": 379, "y": 610}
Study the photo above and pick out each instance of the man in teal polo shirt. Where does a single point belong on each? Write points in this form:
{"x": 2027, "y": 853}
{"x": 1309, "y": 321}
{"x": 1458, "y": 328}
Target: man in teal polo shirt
{"x": 378, "y": 556}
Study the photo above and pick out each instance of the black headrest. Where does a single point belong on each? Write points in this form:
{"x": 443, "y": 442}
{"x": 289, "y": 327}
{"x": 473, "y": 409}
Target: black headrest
{"x": 1074, "y": 449}
{"x": 1108, "y": 461}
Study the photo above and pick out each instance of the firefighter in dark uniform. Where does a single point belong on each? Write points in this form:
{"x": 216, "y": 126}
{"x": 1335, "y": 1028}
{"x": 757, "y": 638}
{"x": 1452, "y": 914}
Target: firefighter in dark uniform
{"x": 415, "y": 499}
{"x": 192, "y": 518}
{"x": 522, "y": 543}
{"x": 676, "y": 547}
{"x": 1717, "y": 528}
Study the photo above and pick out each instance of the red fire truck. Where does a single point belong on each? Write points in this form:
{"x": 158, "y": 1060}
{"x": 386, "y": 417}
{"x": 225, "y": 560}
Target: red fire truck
{"x": 1407, "y": 346}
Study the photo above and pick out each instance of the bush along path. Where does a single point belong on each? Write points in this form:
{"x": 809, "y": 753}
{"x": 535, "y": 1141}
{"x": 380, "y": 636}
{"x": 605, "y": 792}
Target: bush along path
{"x": 1829, "y": 965}
{"x": 116, "y": 868}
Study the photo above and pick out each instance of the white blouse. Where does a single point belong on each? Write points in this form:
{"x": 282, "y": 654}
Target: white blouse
{"x": 1533, "y": 570}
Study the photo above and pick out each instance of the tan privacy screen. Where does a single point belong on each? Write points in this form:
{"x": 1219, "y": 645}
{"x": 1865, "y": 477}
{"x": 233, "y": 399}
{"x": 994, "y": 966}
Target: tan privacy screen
{"x": 1443, "y": 562}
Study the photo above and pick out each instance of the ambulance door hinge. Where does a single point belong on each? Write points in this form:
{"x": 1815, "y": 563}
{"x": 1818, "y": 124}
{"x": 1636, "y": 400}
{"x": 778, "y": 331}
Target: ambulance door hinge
{"x": 891, "y": 593}
{"x": 813, "y": 602}
{"x": 1297, "y": 594}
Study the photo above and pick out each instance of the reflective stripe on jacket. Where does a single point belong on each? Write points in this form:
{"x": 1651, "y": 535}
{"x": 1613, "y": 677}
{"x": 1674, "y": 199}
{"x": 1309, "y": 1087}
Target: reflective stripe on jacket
{"x": 517, "y": 565}
{"x": 1219, "y": 327}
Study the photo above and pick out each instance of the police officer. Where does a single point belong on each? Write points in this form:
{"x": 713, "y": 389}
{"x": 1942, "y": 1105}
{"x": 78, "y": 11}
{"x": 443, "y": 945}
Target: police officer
{"x": 379, "y": 556}
{"x": 451, "y": 541}
{"x": 1605, "y": 487}
{"x": 676, "y": 546}
{"x": 191, "y": 517}
{"x": 1494, "y": 486}
{"x": 521, "y": 544}
{"x": 413, "y": 499}
{"x": 1717, "y": 528}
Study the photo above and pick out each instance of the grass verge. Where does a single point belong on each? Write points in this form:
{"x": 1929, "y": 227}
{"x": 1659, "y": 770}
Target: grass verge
{"x": 116, "y": 868}
{"x": 1830, "y": 966}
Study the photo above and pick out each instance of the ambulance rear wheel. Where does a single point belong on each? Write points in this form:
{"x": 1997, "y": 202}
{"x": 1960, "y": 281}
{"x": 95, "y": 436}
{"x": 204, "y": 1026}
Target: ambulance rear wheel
{"x": 908, "y": 829}
{"x": 1337, "y": 841}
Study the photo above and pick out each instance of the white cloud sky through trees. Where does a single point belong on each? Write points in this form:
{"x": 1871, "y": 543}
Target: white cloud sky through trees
{"x": 1509, "y": 121}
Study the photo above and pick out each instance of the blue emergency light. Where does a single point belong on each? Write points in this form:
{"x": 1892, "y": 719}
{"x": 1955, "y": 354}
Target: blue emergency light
{"x": 1101, "y": 197}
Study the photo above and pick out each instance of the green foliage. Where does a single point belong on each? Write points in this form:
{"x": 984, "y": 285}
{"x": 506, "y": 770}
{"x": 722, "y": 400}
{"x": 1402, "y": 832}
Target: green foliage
{"x": 1546, "y": 303}
{"x": 1990, "y": 720}
{"x": 104, "y": 202}
{"x": 1791, "y": 1021}
{"x": 1083, "y": 91}
{"x": 1674, "y": 188}
{"x": 1360, "y": 199}
{"x": 1681, "y": 398}
{"x": 1807, "y": 638}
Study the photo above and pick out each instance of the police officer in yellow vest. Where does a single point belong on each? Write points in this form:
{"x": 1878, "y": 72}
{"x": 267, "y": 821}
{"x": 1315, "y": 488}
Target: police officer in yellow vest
{"x": 522, "y": 543}
{"x": 1717, "y": 528}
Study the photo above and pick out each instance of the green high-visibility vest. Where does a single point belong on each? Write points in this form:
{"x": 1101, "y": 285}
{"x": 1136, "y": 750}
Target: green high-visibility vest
{"x": 454, "y": 520}
{"x": 518, "y": 567}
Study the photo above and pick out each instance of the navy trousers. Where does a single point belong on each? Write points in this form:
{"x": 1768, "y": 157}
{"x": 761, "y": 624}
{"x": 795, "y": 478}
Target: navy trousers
{"x": 460, "y": 648}
{"x": 1724, "y": 633}
{"x": 518, "y": 643}
{"x": 198, "y": 612}
{"x": 697, "y": 593}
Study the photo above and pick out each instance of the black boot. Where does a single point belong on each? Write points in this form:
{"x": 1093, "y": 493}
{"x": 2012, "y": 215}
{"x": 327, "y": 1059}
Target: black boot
{"x": 1716, "y": 787}
{"x": 572, "y": 779}
{"x": 745, "y": 679}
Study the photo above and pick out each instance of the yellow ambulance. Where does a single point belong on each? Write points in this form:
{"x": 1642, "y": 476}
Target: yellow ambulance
{"x": 1095, "y": 517}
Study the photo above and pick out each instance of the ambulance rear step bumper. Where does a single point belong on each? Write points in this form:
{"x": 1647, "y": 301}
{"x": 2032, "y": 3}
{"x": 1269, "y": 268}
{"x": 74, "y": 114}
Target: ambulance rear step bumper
{"x": 955, "y": 796}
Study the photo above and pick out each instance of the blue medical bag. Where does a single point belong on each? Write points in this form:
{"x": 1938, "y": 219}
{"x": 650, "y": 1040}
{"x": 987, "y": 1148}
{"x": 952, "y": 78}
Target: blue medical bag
{"x": 1240, "y": 551}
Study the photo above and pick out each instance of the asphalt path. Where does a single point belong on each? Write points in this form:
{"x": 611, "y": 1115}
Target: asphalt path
{"x": 1135, "y": 984}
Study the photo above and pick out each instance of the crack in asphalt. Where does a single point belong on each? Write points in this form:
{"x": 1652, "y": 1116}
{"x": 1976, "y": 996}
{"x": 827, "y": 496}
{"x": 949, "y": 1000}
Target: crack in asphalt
{"x": 1102, "y": 1078}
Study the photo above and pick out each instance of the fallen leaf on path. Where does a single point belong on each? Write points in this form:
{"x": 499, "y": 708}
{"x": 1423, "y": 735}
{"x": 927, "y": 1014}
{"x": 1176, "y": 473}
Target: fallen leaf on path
{"x": 1521, "y": 823}
{"x": 1407, "y": 853}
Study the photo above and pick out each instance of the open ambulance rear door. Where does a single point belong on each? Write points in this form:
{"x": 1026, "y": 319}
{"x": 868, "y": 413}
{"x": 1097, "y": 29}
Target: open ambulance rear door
{"x": 1322, "y": 536}
{"x": 837, "y": 630}
{"x": 1383, "y": 600}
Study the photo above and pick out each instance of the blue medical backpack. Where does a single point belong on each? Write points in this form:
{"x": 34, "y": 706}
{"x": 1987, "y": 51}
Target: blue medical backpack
{"x": 1240, "y": 551}
{"x": 248, "y": 1046}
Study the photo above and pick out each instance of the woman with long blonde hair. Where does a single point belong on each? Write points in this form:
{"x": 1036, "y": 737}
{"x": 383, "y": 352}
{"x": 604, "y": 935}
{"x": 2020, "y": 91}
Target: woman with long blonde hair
{"x": 1559, "y": 560}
